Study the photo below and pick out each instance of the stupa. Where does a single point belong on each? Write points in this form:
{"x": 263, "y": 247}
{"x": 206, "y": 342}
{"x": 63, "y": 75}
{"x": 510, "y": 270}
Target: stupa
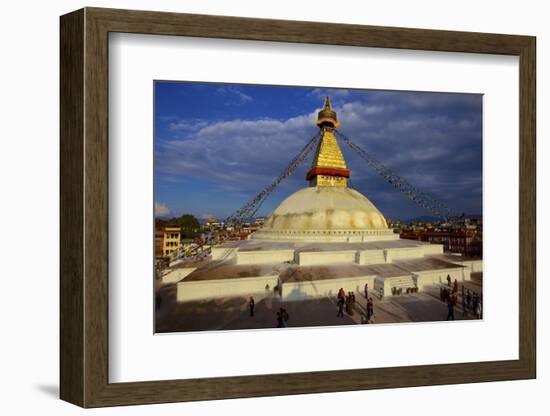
{"x": 321, "y": 238}
{"x": 327, "y": 210}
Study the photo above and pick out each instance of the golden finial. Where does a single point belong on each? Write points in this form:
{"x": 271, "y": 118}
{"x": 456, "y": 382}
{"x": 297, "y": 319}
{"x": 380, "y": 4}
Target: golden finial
{"x": 327, "y": 116}
{"x": 328, "y": 167}
{"x": 327, "y": 103}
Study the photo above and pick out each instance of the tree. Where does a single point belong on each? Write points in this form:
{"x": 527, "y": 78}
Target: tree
{"x": 190, "y": 226}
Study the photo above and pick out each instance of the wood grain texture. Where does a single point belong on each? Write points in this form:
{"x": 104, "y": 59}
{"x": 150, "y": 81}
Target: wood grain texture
{"x": 71, "y": 213}
{"x": 84, "y": 207}
{"x": 527, "y": 208}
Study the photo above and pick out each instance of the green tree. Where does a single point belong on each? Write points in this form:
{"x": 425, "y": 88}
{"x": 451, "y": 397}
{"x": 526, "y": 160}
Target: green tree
{"x": 190, "y": 226}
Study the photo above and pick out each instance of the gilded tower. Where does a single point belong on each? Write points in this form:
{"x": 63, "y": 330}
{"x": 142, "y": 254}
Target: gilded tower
{"x": 328, "y": 167}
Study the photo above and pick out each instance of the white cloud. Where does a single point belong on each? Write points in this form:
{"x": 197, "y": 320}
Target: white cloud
{"x": 425, "y": 146}
{"x": 238, "y": 154}
{"x": 161, "y": 210}
{"x": 187, "y": 125}
{"x": 239, "y": 96}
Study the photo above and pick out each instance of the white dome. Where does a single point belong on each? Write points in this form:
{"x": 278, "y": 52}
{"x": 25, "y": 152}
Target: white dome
{"x": 326, "y": 210}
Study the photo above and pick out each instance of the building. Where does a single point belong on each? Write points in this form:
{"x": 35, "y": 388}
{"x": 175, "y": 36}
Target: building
{"x": 159, "y": 243}
{"x": 323, "y": 237}
{"x": 462, "y": 241}
{"x": 171, "y": 241}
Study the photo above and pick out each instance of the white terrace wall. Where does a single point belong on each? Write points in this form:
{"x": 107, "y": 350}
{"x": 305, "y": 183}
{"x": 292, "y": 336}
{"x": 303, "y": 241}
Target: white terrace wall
{"x": 177, "y": 274}
{"x": 433, "y": 249}
{"x": 223, "y": 253}
{"x": 326, "y": 257}
{"x": 476, "y": 266}
{"x": 404, "y": 253}
{"x": 322, "y": 288}
{"x": 264, "y": 256}
{"x": 366, "y": 257}
{"x": 384, "y": 285}
{"x": 212, "y": 289}
{"x": 432, "y": 277}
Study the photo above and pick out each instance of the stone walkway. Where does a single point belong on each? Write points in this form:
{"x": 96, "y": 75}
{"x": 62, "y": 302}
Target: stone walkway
{"x": 233, "y": 313}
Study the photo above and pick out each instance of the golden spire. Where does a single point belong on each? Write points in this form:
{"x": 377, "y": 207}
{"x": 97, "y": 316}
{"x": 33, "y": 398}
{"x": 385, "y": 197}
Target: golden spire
{"x": 328, "y": 167}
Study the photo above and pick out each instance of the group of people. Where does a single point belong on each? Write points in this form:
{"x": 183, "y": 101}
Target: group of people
{"x": 347, "y": 301}
{"x": 471, "y": 301}
{"x": 282, "y": 314}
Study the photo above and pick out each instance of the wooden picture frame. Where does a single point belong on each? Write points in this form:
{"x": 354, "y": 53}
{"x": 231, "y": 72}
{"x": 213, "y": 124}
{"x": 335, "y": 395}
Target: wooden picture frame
{"x": 84, "y": 207}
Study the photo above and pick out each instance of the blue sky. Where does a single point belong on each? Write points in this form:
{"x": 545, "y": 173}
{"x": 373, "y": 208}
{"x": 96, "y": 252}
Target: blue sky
{"x": 218, "y": 145}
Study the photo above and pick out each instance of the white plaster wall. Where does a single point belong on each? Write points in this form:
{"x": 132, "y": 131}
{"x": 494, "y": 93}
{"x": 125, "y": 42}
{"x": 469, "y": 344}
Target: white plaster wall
{"x": 433, "y": 249}
{"x": 265, "y": 256}
{"x": 404, "y": 253}
{"x": 321, "y": 288}
{"x": 440, "y": 276}
{"x": 476, "y": 266}
{"x": 223, "y": 253}
{"x": 176, "y": 275}
{"x": 212, "y": 289}
{"x": 386, "y": 237}
{"x": 385, "y": 284}
{"x": 326, "y": 257}
{"x": 366, "y": 257}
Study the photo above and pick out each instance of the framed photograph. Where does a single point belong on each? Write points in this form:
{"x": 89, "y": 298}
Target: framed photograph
{"x": 255, "y": 207}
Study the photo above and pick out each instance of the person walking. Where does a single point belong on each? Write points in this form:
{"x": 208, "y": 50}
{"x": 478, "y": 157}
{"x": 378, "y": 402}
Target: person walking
{"x": 450, "y": 310}
{"x": 366, "y": 291}
{"x": 468, "y": 299}
{"x": 351, "y": 304}
{"x": 454, "y": 298}
{"x": 285, "y": 317}
{"x": 282, "y": 318}
{"x": 370, "y": 310}
{"x": 445, "y": 294}
{"x": 341, "y": 294}
{"x": 455, "y": 286}
{"x": 280, "y": 323}
{"x": 251, "y": 305}
{"x": 449, "y": 280}
{"x": 340, "y": 308}
{"x": 464, "y": 309}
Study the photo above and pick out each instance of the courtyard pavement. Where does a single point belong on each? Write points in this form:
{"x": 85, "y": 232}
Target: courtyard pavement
{"x": 233, "y": 313}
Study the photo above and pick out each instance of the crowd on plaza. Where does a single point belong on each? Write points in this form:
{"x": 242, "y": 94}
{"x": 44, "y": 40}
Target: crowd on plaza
{"x": 471, "y": 301}
{"x": 347, "y": 301}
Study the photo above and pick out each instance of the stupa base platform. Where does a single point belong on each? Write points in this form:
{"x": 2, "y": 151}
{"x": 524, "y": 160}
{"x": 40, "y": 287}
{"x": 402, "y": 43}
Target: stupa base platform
{"x": 311, "y": 254}
{"x": 297, "y": 271}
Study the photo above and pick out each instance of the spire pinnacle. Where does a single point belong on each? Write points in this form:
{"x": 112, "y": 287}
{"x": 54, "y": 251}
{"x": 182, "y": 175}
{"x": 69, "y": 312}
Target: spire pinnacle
{"x": 329, "y": 167}
{"x": 327, "y": 116}
{"x": 327, "y": 103}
